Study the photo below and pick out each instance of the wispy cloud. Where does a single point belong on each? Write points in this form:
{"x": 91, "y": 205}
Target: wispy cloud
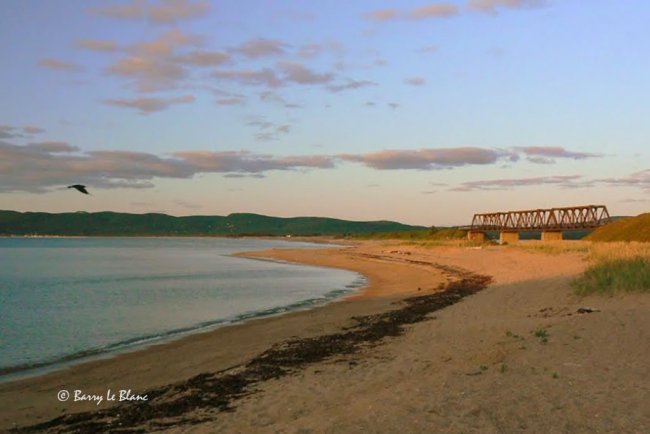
{"x": 59, "y": 65}
{"x": 41, "y": 165}
{"x": 493, "y": 6}
{"x": 300, "y": 74}
{"x": 161, "y": 12}
{"x": 37, "y": 168}
{"x": 434, "y": 10}
{"x": 13, "y": 132}
{"x": 429, "y": 49}
{"x": 415, "y": 81}
{"x": 268, "y": 96}
{"x": 425, "y": 159}
{"x": 262, "y": 77}
{"x": 230, "y": 100}
{"x": 383, "y": 15}
{"x": 97, "y": 45}
{"x": 350, "y": 85}
{"x": 267, "y": 130}
{"x": 548, "y": 154}
{"x": 154, "y": 65}
{"x": 506, "y": 184}
{"x": 147, "y": 106}
{"x": 256, "y": 48}
{"x": 639, "y": 179}
{"x": 203, "y": 58}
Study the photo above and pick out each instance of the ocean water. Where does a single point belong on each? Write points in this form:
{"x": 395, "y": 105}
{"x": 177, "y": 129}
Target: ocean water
{"x": 67, "y": 299}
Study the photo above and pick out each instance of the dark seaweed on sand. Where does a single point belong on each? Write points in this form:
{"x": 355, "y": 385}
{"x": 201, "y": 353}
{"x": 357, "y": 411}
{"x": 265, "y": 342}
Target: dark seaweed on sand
{"x": 200, "y": 398}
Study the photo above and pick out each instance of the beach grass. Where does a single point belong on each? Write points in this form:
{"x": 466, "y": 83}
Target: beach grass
{"x": 617, "y": 275}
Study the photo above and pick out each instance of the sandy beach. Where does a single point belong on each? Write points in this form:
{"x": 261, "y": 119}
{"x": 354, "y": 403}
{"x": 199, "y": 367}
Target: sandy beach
{"x": 509, "y": 348}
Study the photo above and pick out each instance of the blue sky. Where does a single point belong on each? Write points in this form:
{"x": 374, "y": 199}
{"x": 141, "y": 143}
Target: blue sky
{"x": 413, "y": 111}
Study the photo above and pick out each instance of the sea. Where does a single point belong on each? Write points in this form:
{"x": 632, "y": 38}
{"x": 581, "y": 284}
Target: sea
{"x": 67, "y": 300}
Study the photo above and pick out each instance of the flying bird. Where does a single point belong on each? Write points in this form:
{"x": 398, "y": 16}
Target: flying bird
{"x": 80, "y": 188}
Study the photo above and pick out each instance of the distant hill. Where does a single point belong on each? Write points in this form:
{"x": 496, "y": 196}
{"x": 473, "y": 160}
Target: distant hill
{"x": 123, "y": 224}
{"x": 432, "y": 234}
{"x": 624, "y": 229}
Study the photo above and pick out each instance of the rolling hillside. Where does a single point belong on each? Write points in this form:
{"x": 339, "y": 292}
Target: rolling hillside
{"x": 626, "y": 229}
{"x": 122, "y": 224}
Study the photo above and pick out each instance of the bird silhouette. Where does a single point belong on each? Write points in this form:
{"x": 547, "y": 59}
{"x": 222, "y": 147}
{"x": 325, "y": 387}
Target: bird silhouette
{"x": 80, "y": 188}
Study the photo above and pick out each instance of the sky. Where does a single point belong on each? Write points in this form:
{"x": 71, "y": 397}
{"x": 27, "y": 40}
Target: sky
{"x": 419, "y": 112}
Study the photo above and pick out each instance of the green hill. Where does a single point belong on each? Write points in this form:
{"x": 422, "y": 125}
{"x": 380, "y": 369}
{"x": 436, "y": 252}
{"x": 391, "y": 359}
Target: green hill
{"x": 123, "y": 224}
{"x": 625, "y": 229}
{"x": 432, "y": 234}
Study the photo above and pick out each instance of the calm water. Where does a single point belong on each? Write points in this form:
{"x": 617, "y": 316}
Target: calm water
{"x": 64, "y": 299}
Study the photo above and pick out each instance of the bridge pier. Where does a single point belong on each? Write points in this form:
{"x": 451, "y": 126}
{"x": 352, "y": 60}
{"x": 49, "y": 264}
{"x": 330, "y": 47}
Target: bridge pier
{"x": 508, "y": 237}
{"x": 552, "y": 236}
{"x": 476, "y": 236}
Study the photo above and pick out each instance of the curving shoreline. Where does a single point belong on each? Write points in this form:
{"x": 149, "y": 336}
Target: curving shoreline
{"x": 33, "y": 400}
{"x": 475, "y": 366}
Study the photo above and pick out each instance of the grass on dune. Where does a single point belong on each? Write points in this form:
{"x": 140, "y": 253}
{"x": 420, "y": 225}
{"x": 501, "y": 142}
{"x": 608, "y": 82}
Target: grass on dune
{"x": 610, "y": 276}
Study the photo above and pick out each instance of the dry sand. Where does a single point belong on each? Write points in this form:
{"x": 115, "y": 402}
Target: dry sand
{"x": 475, "y": 366}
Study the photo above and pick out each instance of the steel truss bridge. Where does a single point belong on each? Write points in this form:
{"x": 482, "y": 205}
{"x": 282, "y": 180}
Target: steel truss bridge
{"x": 553, "y": 219}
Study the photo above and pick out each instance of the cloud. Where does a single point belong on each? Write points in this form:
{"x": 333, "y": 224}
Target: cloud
{"x": 634, "y": 200}
{"x": 165, "y": 44}
{"x": 97, "y": 45}
{"x": 428, "y": 49}
{"x": 350, "y": 84}
{"x": 547, "y": 154}
{"x": 268, "y": 96}
{"x": 425, "y": 159}
{"x": 263, "y": 77}
{"x": 434, "y": 10}
{"x": 188, "y": 205}
{"x": 639, "y": 179}
{"x": 415, "y": 81}
{"x": 256, "y": 48}
{"x": 40, "y": 167}
{"x": 568, "y": 181}
{"x": 230, "y": 100}
{"x": 492, "y": 6}
{"x": 300, "y": 74}
{"x": 154, "y": 65}
{"x": 162, "y": 12}
{"x": 30, "y": 129}
{"x": 383, "y": 15}
{"x": 147, "y": 106}
{"x": 52, "y": 147}
{"x": 244, "y": 175}
{"x": 148, "y": 75}
{"x": 59, "y": 65}
{"x": 267, "y": 130}
{"x": 203, "y": 58}
{"x": 13, "y": 132}
{"x": 246, "y": 162}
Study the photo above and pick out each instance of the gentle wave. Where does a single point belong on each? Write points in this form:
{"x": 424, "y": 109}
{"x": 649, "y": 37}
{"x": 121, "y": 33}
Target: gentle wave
{"x": 142, "y": 341}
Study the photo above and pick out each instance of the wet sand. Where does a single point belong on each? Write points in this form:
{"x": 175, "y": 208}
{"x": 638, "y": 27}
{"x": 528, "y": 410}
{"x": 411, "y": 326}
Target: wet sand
{"x": 473, "y": 366}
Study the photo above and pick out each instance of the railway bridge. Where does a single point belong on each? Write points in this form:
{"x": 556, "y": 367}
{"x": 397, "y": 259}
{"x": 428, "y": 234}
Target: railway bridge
{"x": 551, "y": 222}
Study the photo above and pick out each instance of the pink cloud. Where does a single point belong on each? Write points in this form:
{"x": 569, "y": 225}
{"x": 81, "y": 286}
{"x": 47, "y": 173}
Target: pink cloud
{"x": 150, "y": 105}
{"x": 59, "y": 65}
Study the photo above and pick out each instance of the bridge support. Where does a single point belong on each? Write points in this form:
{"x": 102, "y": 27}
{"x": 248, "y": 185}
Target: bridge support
{"x": 551, "y": 235}
{"x": 477, "y": 236}
{"x": 508, "y": 237}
